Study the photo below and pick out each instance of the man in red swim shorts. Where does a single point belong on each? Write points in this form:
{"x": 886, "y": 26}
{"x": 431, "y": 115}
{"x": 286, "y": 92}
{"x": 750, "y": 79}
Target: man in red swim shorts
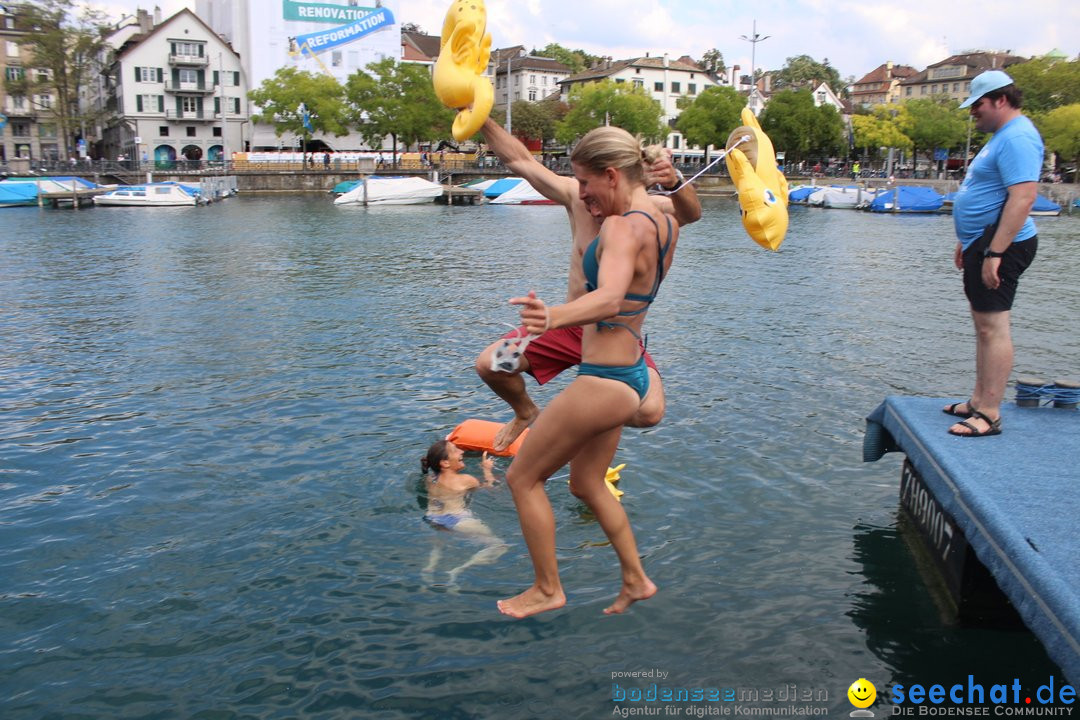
{"x": 549, "y": 354}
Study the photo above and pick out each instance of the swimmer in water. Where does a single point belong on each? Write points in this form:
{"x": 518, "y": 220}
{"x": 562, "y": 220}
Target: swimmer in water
{"x": 447, "y": 490}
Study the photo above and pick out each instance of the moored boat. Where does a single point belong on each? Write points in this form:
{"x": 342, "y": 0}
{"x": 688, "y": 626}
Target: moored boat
{"x": 163, "y": 194}
{"x": 378, "y": 190}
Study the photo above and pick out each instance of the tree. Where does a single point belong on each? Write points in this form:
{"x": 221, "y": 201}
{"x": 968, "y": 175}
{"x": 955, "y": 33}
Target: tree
{"x": 826, "y": 132}
{"x": 932, "y": 124}
{"x": 608, "y": 103}
{"x": 67, "y": 48}
{"x": 789, "y": 120}
{"x": 396, "y": 99}
{"x": 713, "y": 61}
{"x": 535, "y": 121}
{"x": 278, "y": 99}
{"x": 711, "y": 117}
{"x": 1047, "y": 83}
{"x": 1060, "y": 129}
{"x": 873, "y": 132}
{"x": 803, "y": 71}
{"x": 576, "y": 60}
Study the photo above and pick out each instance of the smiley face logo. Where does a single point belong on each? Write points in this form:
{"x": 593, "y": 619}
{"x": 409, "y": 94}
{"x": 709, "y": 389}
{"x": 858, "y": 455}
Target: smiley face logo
{"x": 862, "y": 693}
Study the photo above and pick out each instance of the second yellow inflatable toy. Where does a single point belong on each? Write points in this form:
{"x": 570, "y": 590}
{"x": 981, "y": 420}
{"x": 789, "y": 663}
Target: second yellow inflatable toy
{"x": 762, "y": 188}
{"x": 459, "y": 78}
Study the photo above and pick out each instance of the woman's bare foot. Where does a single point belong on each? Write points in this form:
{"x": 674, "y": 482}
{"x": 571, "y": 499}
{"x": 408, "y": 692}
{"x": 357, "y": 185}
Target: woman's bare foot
{"x": 509, "y": 432}
{"x": 630, "y": 594}
{"x": 532, "y": 601}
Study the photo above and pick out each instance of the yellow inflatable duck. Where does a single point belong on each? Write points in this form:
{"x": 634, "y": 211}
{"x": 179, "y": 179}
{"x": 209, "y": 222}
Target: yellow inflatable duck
{"x": 610, "y": 478}
{"x": 763, "y": 189}
{"x": 459, "y": 78}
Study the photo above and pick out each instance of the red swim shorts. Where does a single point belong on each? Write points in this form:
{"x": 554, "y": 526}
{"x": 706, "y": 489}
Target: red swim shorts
{"x": 556, "y": 350}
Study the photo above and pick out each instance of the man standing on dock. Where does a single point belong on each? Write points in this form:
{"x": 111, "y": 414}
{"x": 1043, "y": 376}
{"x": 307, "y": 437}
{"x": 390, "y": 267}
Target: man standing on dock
{"x": 996, "y": 240}
{"x": 554, "y": 351}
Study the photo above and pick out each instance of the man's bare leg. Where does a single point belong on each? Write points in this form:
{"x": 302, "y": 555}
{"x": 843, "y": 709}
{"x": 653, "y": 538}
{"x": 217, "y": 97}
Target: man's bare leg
{"x": 511, "y": 388}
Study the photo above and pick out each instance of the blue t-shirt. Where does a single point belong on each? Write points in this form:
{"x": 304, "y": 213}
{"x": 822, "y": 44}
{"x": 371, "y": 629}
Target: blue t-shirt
{"x": 1013, "y": 155}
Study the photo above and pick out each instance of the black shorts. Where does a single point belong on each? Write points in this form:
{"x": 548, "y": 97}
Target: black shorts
{"x": 1016, "y": 260}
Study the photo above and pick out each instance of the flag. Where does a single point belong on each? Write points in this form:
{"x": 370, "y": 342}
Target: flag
{"x": 305, "y": 117}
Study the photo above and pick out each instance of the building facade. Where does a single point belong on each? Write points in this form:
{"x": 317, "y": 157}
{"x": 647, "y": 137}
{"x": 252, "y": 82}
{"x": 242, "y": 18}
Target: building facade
{"x": 28, "y": 131}
{"x": 952, "y": 76}
{"x": 520, "y": 76}
{"x": 880, "y": 86}
{"x": 178, "y": 95}
{"x": 666, "y": 81}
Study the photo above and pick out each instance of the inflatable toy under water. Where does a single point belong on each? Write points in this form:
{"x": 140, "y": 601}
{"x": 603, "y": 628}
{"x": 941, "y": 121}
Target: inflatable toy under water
{"x": 762, "y": 188}
{"x": 459, "y": 78}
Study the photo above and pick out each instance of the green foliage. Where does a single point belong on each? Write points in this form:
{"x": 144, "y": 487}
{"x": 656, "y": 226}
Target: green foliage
{"x": 802, "y": 71}
{"x": 279, "y": 97}
{"x": 396, "y": 99}
{"x": 711, "y": 117}
{"x": 798, "y": 128}
{"x": 535, "y": 120}
{"x": 68, "y": 47}
{"x": 713, "y": 61}
{"x": 1046, "y": 83}
{"x": 1060, "y": 129}
{"x": 576, "y": 60}
{"x": 608, "y": 103}
{"x": 932, "y": 124}
{"x": 873, "y": 132}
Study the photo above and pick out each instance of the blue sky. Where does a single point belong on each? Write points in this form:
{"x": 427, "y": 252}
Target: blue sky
{"x": 855, "y": 36}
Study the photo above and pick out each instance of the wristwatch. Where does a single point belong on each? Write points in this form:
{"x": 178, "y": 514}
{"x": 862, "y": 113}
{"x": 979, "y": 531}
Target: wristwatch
{"x": 987, "y": 253}
{"x": 679, "y": 184}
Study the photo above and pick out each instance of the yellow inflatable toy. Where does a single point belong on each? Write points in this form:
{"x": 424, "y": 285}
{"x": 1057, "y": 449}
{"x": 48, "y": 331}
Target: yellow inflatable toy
{"x": 762, "y": 188}
{"x": 610, "y": 478}
{"x": 459, "y": 78}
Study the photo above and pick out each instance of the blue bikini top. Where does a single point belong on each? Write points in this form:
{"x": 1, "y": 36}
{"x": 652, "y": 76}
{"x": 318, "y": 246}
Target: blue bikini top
{"x": 591, "y": 267}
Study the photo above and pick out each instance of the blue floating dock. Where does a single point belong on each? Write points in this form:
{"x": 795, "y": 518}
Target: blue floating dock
{"x": 1015, "y": 497}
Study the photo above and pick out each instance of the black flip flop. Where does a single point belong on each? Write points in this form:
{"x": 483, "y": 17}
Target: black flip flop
{"x": 994, "y": 429}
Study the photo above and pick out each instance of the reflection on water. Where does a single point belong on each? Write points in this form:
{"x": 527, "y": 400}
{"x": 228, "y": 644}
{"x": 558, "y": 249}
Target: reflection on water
{"x": 211, "y": 422}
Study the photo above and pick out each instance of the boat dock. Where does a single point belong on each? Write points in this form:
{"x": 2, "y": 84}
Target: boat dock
{"x": 76, "y": 197}
{"x": 1007, "y": 503}
{"x": 455, "y": 195}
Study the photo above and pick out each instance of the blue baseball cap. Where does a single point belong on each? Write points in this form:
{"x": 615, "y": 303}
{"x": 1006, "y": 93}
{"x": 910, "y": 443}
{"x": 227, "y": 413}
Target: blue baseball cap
{"x": 983, "y": 83}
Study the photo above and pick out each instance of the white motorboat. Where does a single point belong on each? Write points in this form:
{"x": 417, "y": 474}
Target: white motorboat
{"x": 163, "y": 194}
{"x": 376, "y": 190}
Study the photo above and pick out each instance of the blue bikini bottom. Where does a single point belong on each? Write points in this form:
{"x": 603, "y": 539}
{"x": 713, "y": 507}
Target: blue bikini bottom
{"x": 636, "y": 375}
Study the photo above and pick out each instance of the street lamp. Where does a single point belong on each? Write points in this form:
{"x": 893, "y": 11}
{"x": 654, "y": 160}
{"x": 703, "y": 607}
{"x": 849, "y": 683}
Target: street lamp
{"x": 754, "y": 39}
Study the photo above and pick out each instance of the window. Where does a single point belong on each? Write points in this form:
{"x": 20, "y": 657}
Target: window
{"x": 42, "y": 75}
{"x": 18, "y": 102}
{"x": 20, "y": 128}
{"x": 532, "y": 95}
{"x": 191, "y": 131}
{"x": 12, "y": 48}
{"x": 543, "y": 80}
{"x": 187, "y": 48}
{"x": 47, "y": 130}
{"x": 532, "y": 79}
{"x": 189, "y": 105}
{"x": 163, "y": 131}
{"x": 217, "y": 131}
{"x": 922, "y": 90}
{"x": 692, "y": 88}
{"x": 933, "y": 89}
{"x": 639, "y": 83}
{"x": 821, "y": 98}
{"x": 336, "y": 58}
{"x": 956, "y": 87}
{"x": 675, "y": 88}
{"x": 147, "y": 74}
{"x": 235, "y": 105}
{"x": 908, "y": 91}
{"x": 188, "y": 75}
{"x": 658, "y": 87}
{"x": 15, "y": 73}
{"x": 44, "y": 101}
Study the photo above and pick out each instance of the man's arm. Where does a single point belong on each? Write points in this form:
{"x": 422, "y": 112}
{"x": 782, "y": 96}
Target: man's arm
{"x": 684, "y": 203}
{"x": 1021, "y": 197}
{"x": 521, "y": 162}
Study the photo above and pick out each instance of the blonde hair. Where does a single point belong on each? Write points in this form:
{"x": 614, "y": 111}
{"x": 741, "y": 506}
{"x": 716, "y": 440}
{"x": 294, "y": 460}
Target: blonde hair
{"x": 612, "y": 147}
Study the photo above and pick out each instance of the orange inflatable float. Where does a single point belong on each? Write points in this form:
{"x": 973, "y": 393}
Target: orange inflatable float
{"x": 479, "y": 435}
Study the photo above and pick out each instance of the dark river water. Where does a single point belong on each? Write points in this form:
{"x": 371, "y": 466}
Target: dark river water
{"x": 210, "y": 499}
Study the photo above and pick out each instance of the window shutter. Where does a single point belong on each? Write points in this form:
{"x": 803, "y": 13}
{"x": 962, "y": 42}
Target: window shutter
{"x": 159, "y": 73}
{"x": 216, "y": 80}
{"x": 161, "y": 103}
{"x": 138, "y": 74}
{"x": 236, "y": 78}
{"x": 138, "y": 103}
{"x": 217, "y": 106}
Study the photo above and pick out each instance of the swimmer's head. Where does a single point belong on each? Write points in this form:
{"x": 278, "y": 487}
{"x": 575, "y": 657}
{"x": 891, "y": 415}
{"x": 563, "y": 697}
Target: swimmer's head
{"x": 440, "y": 452}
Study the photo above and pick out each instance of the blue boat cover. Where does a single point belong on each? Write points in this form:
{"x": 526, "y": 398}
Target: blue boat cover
{"x": 1045, "y": 204}
{"x": 1014, "y": 496}
{"x": 913, "y": 198}
{"x": 498, "y": 187}
{"x": 18, "y": 193}
{"x": 800, "y": 194}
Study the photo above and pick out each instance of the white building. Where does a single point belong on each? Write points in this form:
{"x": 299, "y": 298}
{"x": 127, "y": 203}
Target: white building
{"x": 665, "y": 80}
{"x": 337, "y": 37}
{"x": 520, "y": 76}
{"x": 178, "y": 92}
